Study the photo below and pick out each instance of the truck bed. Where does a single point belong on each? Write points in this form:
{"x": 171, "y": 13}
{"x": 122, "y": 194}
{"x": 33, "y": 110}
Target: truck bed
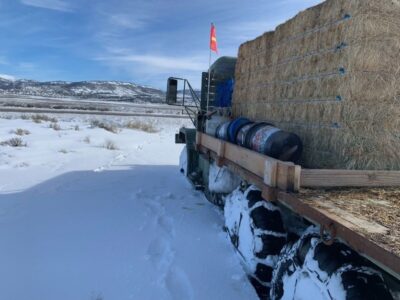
{"x": 374, "y": 212}
{"x": 367, "y": 218}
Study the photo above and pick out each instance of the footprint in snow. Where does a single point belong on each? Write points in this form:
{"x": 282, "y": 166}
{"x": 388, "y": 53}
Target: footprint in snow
{"x": 178, "y": 284}
{"x": 166, "y": 224}
{"x": 159, "y": 252}
{"x": 155, "y": 207}
{"x": 169, "y": 196}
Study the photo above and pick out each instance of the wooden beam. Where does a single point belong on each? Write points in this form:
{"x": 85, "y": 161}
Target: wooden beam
{"x": 208, "y": 141}
{"x": 274, "y": 173}
{"x": 270, "y": 173}
{"x": 354, "y": 238}
{"x": 348, "y": 178}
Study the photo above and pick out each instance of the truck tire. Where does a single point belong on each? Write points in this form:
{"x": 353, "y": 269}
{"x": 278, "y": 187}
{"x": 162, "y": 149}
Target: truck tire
{"x": 309, "y": 269}
{"x": 256, "y": 230}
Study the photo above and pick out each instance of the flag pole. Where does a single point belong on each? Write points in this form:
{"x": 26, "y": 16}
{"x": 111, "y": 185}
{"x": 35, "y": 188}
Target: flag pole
{"x": 209, "y": 75}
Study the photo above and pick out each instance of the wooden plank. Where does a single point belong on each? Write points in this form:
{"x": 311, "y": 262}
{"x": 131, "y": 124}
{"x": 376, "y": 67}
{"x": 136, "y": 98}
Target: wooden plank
{"x": 288, "y": 177}
{"x": 348, "y": 178}
{"x": 209, "y": 142}
{"x": 283, "y": 175}
{"x": 270, "y": 173}
{"x": 198, "y": 139}
{"x": 250, "y": 160}
{"x": 257, "y": 169}
{"x": 268, "y": 193}
{"x": 297, "y": 178}
{"x": 221, "y": 150}
{"x": 355, "y": 239}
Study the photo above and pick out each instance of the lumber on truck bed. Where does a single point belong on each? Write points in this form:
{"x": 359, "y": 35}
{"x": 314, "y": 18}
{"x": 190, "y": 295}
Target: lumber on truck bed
{"x": 367, "y": 219}
{"x": 375, "y": 212}
{"x": 290, "y": 177}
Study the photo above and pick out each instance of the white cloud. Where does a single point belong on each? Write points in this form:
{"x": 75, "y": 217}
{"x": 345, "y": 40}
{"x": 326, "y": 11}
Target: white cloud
{"x": 154, "y": 69}
{"x": 49, "y": 4}
{"x": 159, "y": 62}
{"x": 248, "y": 30}
{"x": 7, "y": 77}
{"x": 126, "y": 21}
{"x": 26, "y": 66}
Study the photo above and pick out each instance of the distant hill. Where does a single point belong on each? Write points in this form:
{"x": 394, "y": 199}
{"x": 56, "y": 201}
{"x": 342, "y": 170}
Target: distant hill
{"x": 107, "y": 90}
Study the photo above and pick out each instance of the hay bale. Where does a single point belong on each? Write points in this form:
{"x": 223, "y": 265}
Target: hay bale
{"x": 332, "y": 75}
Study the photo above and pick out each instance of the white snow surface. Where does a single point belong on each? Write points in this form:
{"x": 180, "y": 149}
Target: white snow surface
{"x": 79, "y": 221}
{"x": 183, "y": 161}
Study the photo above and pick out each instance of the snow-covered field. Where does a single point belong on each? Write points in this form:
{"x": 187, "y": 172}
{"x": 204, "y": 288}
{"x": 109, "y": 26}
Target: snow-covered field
{"x": 80, "y": 221}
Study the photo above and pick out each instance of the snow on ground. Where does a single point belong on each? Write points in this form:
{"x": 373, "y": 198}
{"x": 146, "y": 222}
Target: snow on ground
{"x": 79, "y": 221}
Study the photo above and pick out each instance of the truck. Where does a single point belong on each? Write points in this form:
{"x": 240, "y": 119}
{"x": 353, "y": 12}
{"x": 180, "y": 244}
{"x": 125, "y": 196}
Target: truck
{"x": 301, "y": 233}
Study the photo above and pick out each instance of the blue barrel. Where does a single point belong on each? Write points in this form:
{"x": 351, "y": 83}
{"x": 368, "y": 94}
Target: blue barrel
{"x": 234, "y": 128}
{"x": 274, "y": 142}
{"x": 242, "y": 132}
{"x": 222, "y": 131}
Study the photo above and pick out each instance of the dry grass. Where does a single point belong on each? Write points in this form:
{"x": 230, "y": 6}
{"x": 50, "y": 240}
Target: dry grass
{"x": 38, "y": 118}
{"x": 374, "y": 205}
{"x": 138, "y": 125}
{"x": 106, "y": 126}
{"x": 20, "y": 132}
{"x": 14, "y": 142}
{"x": 55, "y": 126}
{"x": 87, "y": 139}
{"x": 110, "y": 145}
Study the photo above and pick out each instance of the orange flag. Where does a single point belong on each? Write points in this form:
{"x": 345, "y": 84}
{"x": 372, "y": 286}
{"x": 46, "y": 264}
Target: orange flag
{"x": 213, "y": 39}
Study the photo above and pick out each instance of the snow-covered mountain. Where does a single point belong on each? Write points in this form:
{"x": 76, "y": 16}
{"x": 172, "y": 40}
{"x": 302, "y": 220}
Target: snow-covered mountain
{"x": 107, "y": 90}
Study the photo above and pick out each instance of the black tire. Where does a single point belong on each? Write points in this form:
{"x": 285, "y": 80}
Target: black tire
{"x": 336, "y": 271}
{"x": 215, "y": 198}
{"x": 249, "y": 216}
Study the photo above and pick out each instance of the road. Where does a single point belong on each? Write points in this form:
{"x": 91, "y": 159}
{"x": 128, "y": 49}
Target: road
{"x": 91, "y": 104}
{"x": 28, "y": 104}
{"x": 90, "y": 112}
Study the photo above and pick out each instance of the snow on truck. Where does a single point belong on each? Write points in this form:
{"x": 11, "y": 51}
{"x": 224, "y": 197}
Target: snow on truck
{"x": 297, "y": 140}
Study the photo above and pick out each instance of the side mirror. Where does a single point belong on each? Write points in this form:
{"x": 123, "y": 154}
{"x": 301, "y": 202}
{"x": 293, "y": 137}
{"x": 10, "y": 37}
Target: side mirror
{"x": 172, "y": 91}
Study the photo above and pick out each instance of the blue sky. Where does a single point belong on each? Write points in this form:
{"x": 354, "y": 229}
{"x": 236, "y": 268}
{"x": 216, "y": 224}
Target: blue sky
{"x": 128, "y": 40}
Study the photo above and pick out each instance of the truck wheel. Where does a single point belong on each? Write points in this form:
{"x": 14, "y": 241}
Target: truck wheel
{"x": 309, "y": 269}
{"x": 256, "y": 230}
{"x": 215, "y": 198}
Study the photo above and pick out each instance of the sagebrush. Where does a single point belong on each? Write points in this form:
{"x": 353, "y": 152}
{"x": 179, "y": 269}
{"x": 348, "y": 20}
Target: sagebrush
{"x": 20, "y": 131}
{"x": 14, "y": 142}
{"x": 38, "y": 118}
{"x": 110, "y": 145}
{"x": 143, "y": 126}
{"x": 106, "y": 126}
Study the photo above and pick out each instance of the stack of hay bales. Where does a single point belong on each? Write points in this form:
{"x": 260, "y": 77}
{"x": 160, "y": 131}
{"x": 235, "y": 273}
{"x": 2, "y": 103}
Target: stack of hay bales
{"x": 331, "y": 75}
